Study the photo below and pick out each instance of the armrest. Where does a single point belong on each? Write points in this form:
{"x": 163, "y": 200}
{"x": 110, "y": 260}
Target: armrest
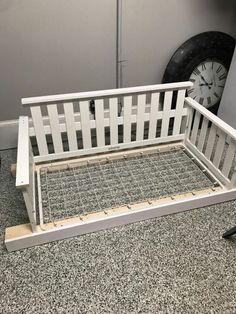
{"x": 211, "y": 117}
{"x": 22, "y": 168}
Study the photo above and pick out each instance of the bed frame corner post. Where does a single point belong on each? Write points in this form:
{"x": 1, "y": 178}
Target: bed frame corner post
{"x": 25, "y": 173}
{"x": 188, "y": 123}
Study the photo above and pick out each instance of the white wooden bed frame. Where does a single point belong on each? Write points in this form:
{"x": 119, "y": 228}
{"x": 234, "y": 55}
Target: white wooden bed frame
{"x": 194, "y": 128}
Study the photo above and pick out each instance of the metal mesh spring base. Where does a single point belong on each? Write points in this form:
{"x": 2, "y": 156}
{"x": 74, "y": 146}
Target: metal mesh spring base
{"x": 95, "y": 187}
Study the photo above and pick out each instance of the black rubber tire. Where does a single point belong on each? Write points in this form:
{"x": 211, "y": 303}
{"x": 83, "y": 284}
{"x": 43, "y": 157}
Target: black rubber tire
{"x": 209, "y": 45}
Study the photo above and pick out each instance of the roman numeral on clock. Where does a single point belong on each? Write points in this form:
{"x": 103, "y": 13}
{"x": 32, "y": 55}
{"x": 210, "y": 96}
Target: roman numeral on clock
{"x": 222, "y": 77}
{"x": 203, "y": 67}
{"x": 216, "y": 95}
{"x": 209, "y": 100}
{"x": 219, "y": 69}
{"x": 201, "y": 100}
{"x": 192, "y": 80}
{"x": 196, "y": 72}
{"x": 190, "y": 91}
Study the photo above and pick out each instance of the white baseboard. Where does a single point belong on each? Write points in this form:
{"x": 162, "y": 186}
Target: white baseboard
{"x": 8, "y": 134}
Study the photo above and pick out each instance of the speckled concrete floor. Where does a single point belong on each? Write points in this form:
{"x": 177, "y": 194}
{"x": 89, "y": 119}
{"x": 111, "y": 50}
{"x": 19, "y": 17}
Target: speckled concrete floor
{"x": 174, "y": 264}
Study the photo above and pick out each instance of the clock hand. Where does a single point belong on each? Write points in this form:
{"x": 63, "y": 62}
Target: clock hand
{"x": 203, "y": 79}
{"x": 214, "y": 80}
{"x": 208, "y": 84}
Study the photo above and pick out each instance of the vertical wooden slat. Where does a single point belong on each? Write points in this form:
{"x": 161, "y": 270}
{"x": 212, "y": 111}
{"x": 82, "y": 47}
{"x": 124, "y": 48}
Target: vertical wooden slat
{"x": 166, "y": 114}
{"x": 153, "y": 115}
{"x": 210, "y": 141}
{"x": 190, "y": 112}
{"x": 39, "y": 130}
{"x": 179, "y": 111}
{"x": 229, "y": 158}
{"x": 70, "y": 126}
{"x": 100, "y": 131}
{"x": 194, "y": 133}
{"x": 85, "y": 124}
{"x": 127, "y": 118}
{"x": 55, "y": 128}
{"x": 140, "y": 117}
{"x": 219, "y": 149}
{"x": 203, "y": 133}
{"x": 113, "y": 106}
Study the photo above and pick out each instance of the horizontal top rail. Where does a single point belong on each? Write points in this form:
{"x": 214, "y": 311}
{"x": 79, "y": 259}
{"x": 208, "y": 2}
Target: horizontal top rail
{"x": 211, "y": 117}
{"x": 33, "y": 101}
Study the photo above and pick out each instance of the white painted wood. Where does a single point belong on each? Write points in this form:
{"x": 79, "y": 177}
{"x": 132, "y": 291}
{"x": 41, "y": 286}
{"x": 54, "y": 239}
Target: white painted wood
{"x": 70, "y": 126}
{"x": 105, "y": 222}
{"x": 195, "y": 128}
{"x": 109, "y": 118}
{"x": 202, "y": 165}
{"x": 153, "y": 115}
{"x": 219, "y": 149}
{"x": 25, "y": 170}
{"x": 39, "y": 130}
{"x": 100, "y": 131}
{"x": 229, "y": 158}
{"x": 108, "y": 148}
{"x": 179, "y": 111}
{"x": 127, "y": 103}
{"x": 105, "y": 93}
{"x": 32, "y": 186}
{"x": 140, "y": 117}
{"x": 215, "y": 171}
{"x": 203, "y": 133}
{"x": 22, "y": 169}
{"x": 216, "y": 120}
{"x": 85, "y": 124}
{"x": 210, "y": 141}
{"x": 55, "y": 128}
{"x": 92, "y": 123}
{"x": 166, "y": 113}
{"x": 189, "y": 123}
{"x": 27, "y": 195}
{"x": 113, "y": 106}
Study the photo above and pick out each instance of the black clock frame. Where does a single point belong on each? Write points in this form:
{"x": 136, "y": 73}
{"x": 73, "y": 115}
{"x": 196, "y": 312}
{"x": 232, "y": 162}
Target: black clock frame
{"x": 212, "y": 45}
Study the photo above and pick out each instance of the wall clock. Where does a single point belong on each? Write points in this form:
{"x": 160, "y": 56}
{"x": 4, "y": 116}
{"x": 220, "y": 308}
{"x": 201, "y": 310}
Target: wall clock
{"x": 203, "y": 59}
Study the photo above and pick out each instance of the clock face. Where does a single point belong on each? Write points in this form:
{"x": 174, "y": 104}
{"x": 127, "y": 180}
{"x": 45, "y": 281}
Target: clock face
{"x": 208, "y": 82}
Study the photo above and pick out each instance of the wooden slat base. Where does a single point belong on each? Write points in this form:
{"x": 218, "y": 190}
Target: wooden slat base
{"x": 20, "y": 237}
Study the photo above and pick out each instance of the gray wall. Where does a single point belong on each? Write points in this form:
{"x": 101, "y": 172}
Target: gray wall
{"x": 227, "y": 109}
{"x": 54, "y": 46}
{"x": 154, "y": 29}
{"x": 60, "y": 46}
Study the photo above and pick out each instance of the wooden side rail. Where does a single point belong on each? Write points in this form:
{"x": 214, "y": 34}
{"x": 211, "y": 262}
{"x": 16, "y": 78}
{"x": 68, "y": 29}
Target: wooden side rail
{"x": 35, "y": 101}
{"x": 25, "y": 177}
{"x": 226, "y": 128}
{"x": 213, "y": 141}
{"x": 144, "y": 109}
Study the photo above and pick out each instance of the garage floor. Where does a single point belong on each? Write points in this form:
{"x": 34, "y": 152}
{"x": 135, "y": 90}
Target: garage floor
{"x": 174, "y": 264}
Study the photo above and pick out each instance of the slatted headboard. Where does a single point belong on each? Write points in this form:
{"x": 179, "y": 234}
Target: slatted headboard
{"x": 122, "y": 118}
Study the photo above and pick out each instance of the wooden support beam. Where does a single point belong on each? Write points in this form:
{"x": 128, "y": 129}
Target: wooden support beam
{"x": 20, "y": 237}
